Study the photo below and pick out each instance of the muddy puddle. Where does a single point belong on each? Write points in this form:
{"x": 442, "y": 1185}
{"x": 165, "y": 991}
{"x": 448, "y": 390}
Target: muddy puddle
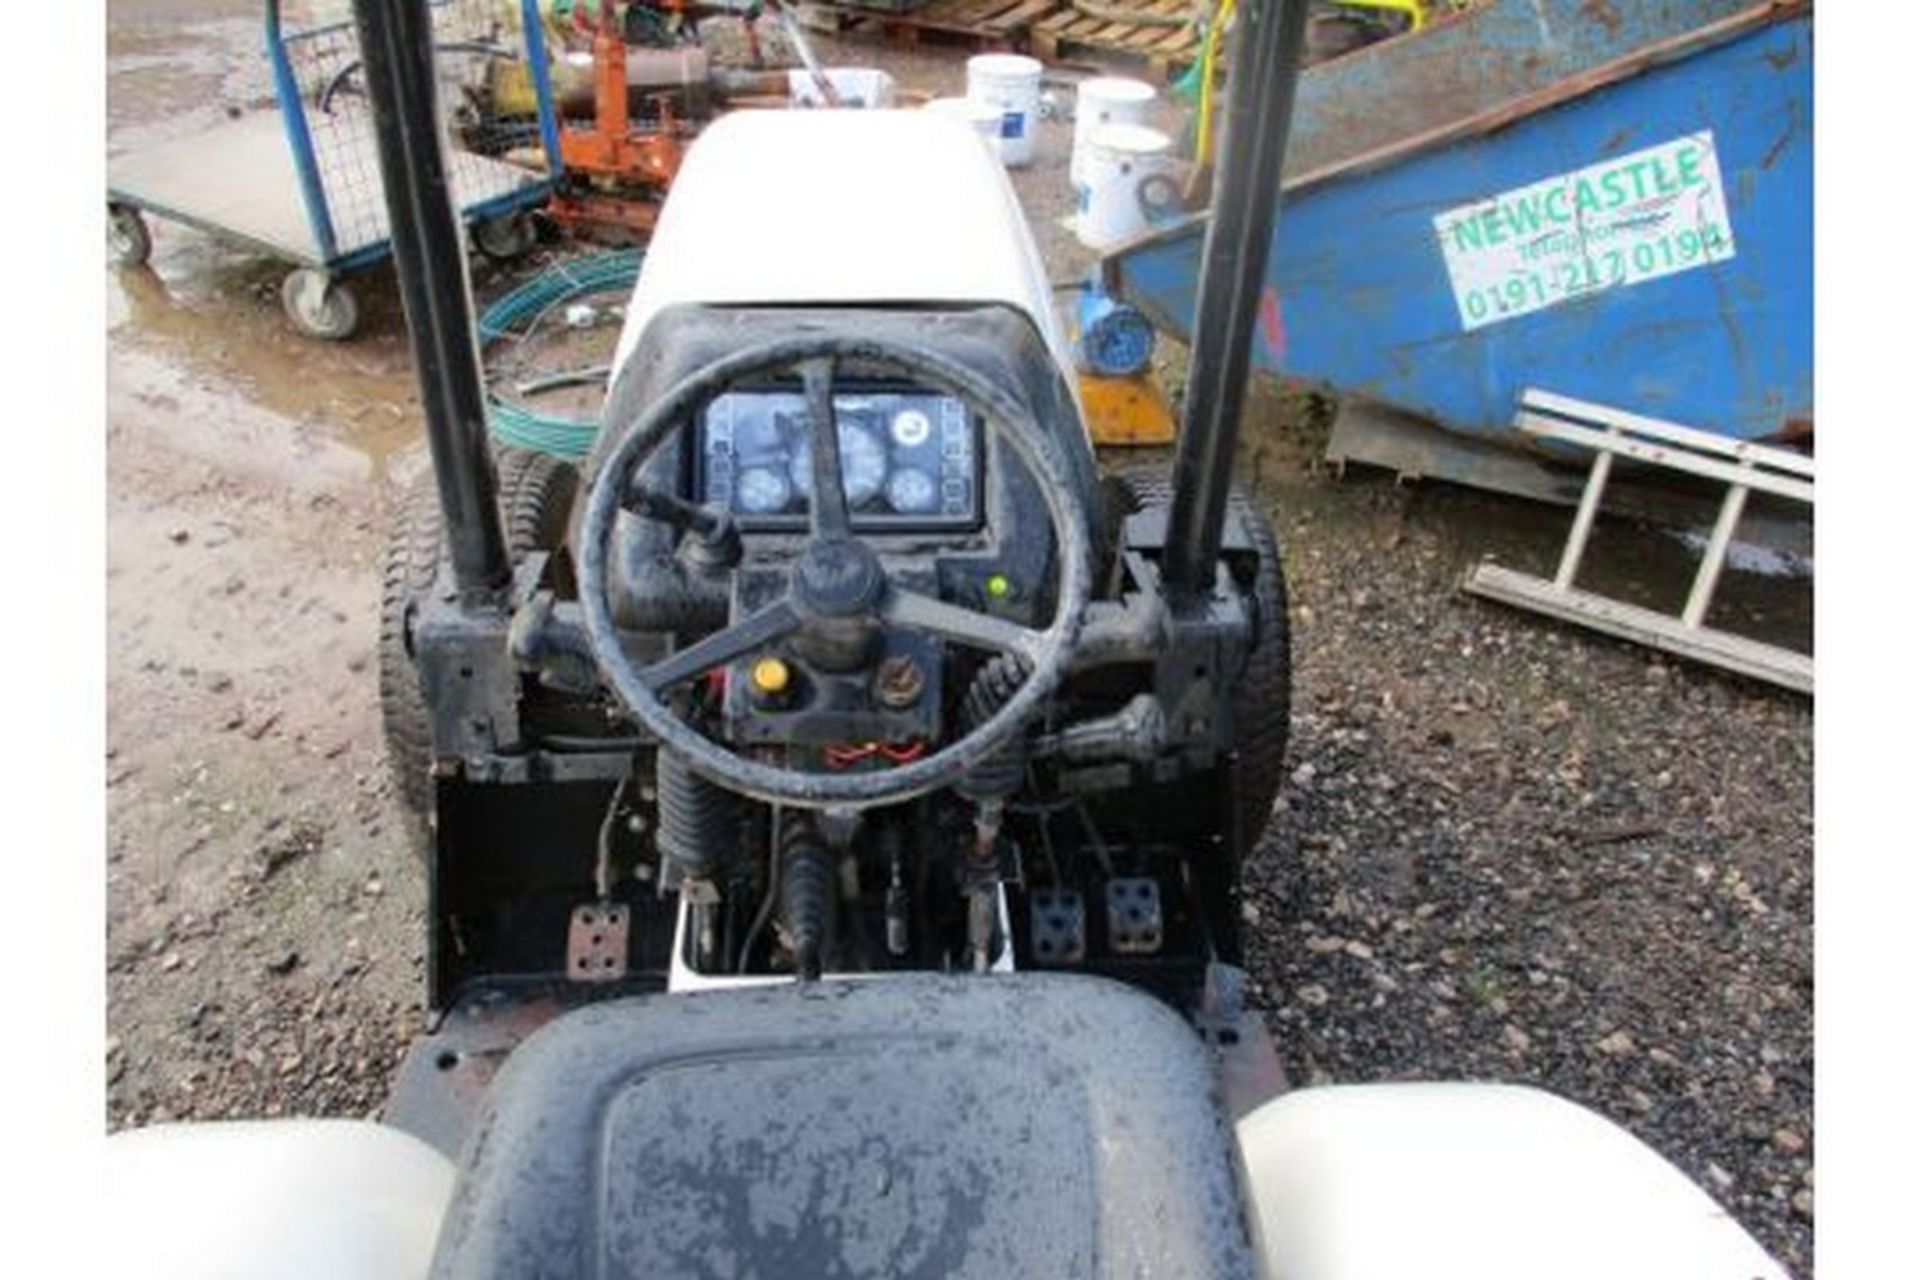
{"x": 202, "y": 323}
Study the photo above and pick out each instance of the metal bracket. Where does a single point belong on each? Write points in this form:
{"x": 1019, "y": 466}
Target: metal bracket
{"x": 597, "y": 942}
{"x": 468, "y": 673}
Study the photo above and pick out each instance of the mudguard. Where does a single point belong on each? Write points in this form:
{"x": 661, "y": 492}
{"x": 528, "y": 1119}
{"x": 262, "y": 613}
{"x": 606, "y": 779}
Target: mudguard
{"x": 292, "y": 1199}
{"x": 1480, "y": 1181}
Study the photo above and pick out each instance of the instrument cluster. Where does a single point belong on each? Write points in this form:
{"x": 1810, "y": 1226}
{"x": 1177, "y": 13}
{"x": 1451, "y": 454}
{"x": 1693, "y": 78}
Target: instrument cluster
{"x": 908, "y": 459}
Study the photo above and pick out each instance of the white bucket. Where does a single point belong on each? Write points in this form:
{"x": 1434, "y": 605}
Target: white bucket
{"x": 984, "y": 119}
{"x": 1131, "y": 174}
{"x": 1010, "y": 83}
{"x": 1101, "y": 101}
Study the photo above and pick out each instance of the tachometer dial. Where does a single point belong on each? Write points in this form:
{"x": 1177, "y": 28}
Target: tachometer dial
{"x": 863, "y": 466}
{"x": 912, "y": 492}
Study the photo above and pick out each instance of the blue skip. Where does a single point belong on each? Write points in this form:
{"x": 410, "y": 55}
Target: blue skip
{"x": 1612, "y": 201}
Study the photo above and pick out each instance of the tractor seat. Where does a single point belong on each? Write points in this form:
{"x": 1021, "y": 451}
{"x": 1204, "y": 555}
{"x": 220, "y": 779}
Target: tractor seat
{"x": 1036, "y": 1125}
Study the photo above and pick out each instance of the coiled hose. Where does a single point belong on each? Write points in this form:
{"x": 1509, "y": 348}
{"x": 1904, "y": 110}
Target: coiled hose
{"x": 518, "y": 314}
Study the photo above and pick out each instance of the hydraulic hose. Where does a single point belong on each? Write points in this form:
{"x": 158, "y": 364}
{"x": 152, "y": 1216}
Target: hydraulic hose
{"x": 517, "y": 314}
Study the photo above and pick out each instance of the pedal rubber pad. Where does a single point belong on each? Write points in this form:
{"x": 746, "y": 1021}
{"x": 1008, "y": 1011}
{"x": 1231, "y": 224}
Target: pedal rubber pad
{"x": 1133, "y": 915}
{"x": 1059, "y": 926}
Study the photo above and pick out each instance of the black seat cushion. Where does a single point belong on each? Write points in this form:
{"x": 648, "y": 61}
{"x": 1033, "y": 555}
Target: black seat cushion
{"x": 1027, "y": 1125}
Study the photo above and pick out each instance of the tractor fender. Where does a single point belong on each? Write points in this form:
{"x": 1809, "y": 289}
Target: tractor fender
{"x": 1488, "y": 1181}
{"x": 294, "y": 1199}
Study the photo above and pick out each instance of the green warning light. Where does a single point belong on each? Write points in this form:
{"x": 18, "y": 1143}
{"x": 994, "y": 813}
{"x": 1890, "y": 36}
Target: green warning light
{"x": 997, "y": 585}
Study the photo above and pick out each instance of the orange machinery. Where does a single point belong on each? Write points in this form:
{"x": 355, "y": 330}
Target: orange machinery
{"x": 617, "y": 171}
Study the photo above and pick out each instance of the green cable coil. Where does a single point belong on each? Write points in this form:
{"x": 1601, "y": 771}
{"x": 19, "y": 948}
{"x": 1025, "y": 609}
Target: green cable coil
{"x": 520, "y": 312}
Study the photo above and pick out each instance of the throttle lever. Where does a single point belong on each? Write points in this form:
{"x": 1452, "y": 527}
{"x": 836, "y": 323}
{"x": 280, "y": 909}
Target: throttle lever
{"x": 711, "y": 536}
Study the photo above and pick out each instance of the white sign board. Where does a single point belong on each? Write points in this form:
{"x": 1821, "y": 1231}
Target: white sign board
{"x": 1639, "y": 217}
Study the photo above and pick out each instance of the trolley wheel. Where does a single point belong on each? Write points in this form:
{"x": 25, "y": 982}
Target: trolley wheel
{"x": 506, "y": 237}
{"x": 129, "y": 243}
{"x": 320, "y": 306}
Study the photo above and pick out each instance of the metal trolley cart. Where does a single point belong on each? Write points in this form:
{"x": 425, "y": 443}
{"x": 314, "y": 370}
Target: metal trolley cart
{"x": 299, "y": 178}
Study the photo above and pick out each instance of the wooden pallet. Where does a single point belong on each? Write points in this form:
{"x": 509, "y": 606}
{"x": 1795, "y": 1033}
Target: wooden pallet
{"x": 981, "y": 24}
{"x": 1163, "y": 52}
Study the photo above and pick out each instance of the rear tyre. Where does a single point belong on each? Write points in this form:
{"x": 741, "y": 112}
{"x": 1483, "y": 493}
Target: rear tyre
{"x": 1263, "y": 699}
{"x": 536, "y": 500}
{"x": 320, "y": 306}
{"x": 129, "y": 243}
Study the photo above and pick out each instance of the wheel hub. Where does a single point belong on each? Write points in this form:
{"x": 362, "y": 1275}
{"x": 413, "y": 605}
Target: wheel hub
{"x": 838, "y": 578}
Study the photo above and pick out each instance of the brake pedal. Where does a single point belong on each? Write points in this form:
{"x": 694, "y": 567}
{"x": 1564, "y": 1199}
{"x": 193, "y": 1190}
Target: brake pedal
{"x": 1133, "y": 915}
{"x": 1059, "y": 926}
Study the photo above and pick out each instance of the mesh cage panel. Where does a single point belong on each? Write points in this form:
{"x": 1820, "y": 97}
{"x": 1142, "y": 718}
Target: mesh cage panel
{"x": 488, "y": 109}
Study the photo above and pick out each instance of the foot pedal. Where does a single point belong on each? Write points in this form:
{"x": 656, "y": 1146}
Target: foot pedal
{"x": 1059, "y": 926}
{"x": 597, "y": 942}
{"x": 1133, "y": 915}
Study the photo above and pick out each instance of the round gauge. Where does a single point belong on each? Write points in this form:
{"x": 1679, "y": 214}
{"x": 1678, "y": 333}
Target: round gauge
{"x": 912, "y": 492}
{"x": 762, "y": 491}
{"x": 863, "y": 466}
{"x": 911, "y": 428}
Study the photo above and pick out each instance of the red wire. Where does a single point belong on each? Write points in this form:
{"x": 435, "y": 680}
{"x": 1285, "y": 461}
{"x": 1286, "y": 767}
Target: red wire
{"x": 846, "y": 754}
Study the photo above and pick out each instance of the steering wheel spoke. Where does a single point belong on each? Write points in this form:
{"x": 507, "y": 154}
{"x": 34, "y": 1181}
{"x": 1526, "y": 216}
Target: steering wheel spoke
{"x": 958, "y": 623}
{"x": 762, "y": 627}
{"x": 828, "y": 505}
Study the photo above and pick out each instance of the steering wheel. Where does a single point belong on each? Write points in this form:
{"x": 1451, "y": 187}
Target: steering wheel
{"x": 838, "y": 583}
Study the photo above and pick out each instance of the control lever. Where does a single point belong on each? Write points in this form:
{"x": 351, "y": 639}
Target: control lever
{"x": 711, "y": 536}
{"x": 1137, "y": 732}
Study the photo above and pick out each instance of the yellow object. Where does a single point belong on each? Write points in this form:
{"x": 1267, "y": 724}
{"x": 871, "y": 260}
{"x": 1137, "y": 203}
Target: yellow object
{"x": 1128, "y": 410}
{"x": 512, "y": 85}
{"x": 997, "y": 585}
{"x": 1203, "y": 138}
{"x": 771, "y": 676}
{"x": 1415, "y": 10}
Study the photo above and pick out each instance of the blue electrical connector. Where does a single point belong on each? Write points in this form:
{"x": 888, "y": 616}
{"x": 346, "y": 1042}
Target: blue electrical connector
{"x": 1116, "y": 339}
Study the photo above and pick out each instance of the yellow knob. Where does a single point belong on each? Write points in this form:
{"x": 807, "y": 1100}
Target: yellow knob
{"x": 771, "y": 675}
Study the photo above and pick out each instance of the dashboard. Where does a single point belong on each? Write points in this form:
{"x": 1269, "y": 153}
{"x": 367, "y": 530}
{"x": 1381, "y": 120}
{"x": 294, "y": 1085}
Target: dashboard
{"x": 909, "y": 459}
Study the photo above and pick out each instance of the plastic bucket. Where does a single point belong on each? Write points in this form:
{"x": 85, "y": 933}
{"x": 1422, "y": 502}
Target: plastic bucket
{"x": 1102, "y": 101}
{"x": 1010, "y": 83}
{"x": 1130, "y": 184}
{"x": 984, "y": 119}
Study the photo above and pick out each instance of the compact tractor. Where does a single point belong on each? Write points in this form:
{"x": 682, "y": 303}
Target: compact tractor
{"x": 833, "y": 794}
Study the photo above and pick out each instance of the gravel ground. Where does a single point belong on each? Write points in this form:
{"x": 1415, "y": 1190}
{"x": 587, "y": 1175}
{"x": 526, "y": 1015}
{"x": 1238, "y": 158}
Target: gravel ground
{"x": 1514, "y": 852}
{"x": 1507, "y": 851}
